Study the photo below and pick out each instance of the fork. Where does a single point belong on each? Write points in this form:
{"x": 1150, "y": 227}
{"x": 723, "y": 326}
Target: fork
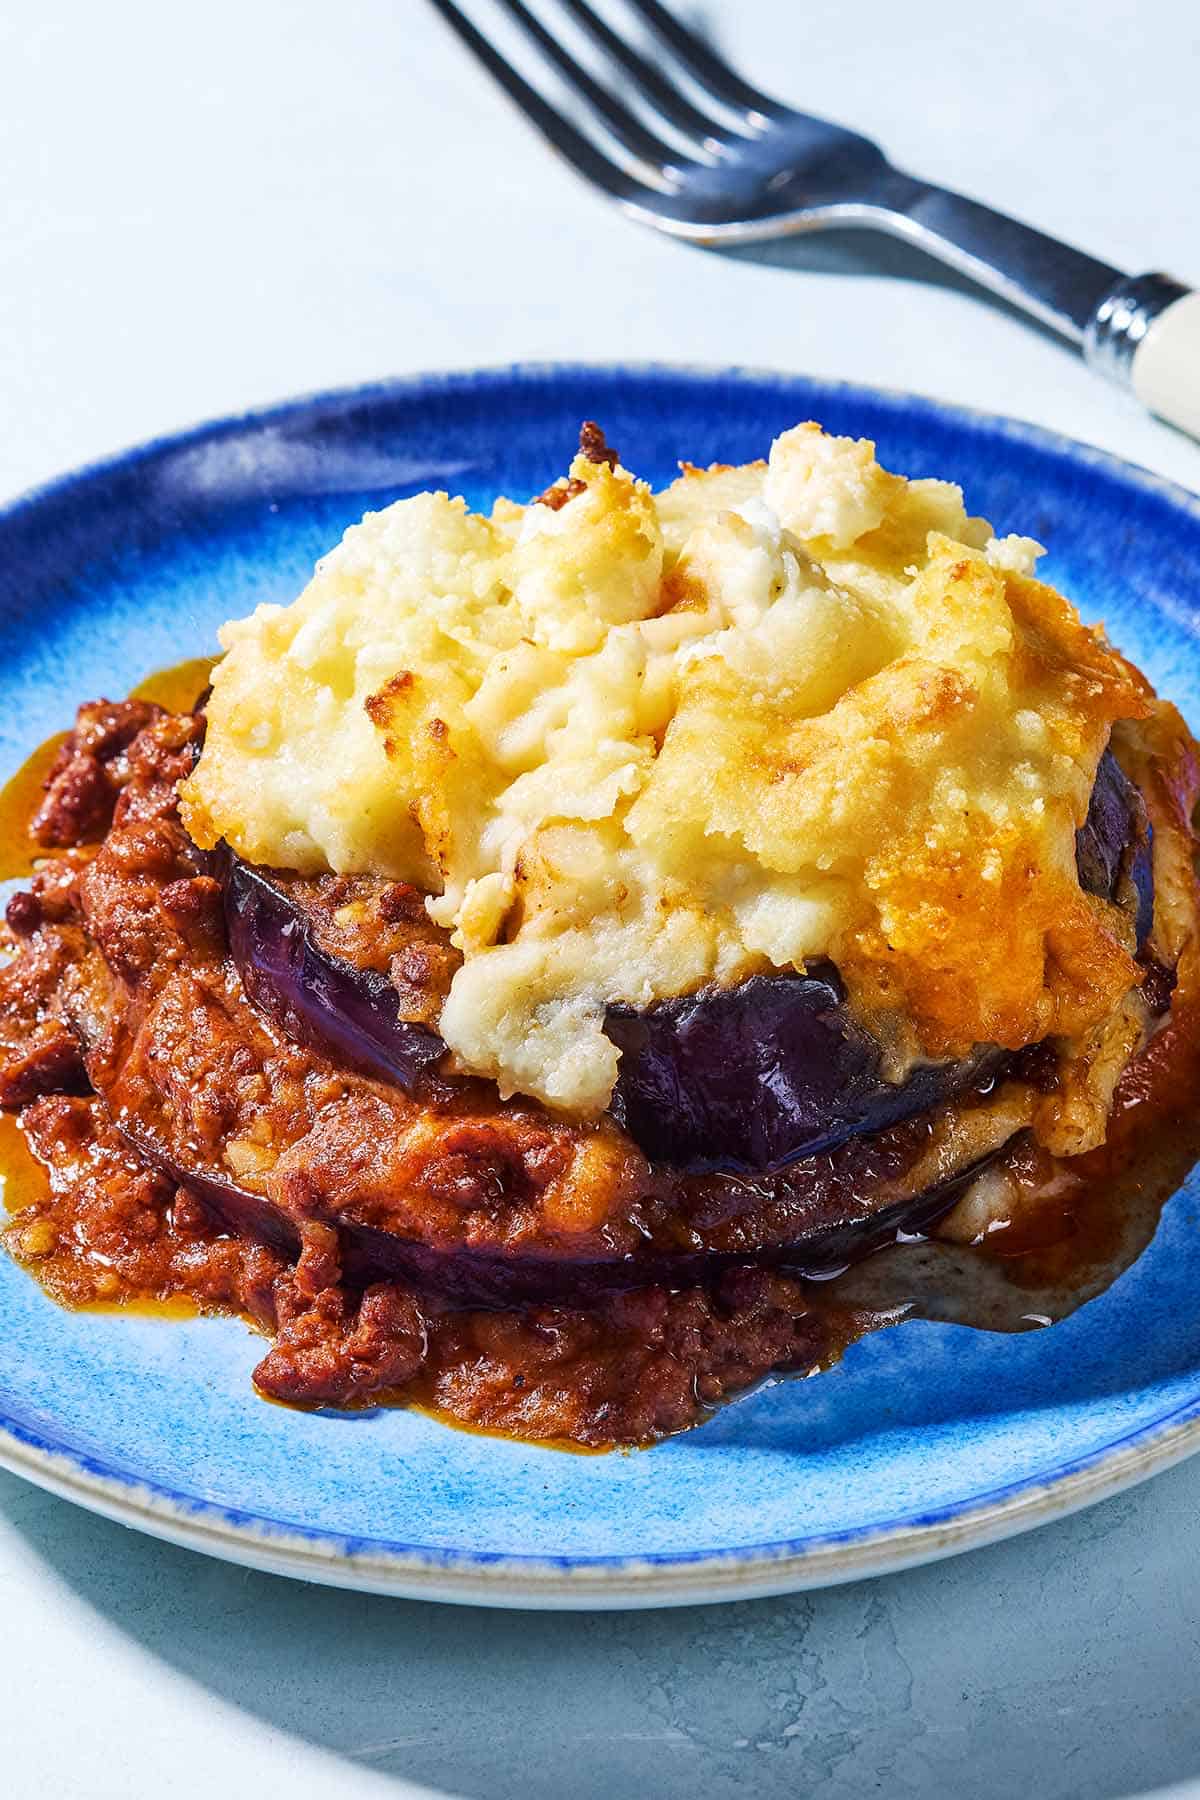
{"x": 756, "y": 169}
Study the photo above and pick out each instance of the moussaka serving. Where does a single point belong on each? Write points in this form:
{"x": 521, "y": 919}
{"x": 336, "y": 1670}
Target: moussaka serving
{"x": 580, "y": 960}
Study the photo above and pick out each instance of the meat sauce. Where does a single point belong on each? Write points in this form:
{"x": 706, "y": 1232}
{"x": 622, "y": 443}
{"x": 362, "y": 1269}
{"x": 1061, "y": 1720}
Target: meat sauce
{"x": 100, "y": 1224}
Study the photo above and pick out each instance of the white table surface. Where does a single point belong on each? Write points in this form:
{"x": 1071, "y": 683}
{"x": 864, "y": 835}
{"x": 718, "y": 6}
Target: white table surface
{"x": 209, "y": 207}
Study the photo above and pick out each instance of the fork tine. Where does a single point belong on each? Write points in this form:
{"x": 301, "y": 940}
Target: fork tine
{"x": 709, "y": 69}
{"x": 583, "y": 155}
{"x": 655, "y": 87}
{"x": 623, "y": 125}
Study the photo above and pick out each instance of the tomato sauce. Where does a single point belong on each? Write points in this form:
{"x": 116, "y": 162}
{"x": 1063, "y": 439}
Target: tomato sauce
{"x": 102, "y": 1227}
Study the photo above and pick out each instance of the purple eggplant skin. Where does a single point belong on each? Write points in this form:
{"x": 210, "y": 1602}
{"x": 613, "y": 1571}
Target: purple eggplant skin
{"x": 318, "y": 998}
{"x": 459, "y": 1278}
{"x": 1115, "y": 843}
{"x": 754, "y": 1076}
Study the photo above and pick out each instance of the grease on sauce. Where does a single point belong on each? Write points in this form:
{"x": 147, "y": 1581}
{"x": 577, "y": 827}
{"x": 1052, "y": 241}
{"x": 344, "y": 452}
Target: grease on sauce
{"x": 19, "y": 800}
{"x": 23, "y": 1180}
{"x": 178, "y": 688}
{"x": 146, "y": 1306}
{"x": 441, "y": 1416}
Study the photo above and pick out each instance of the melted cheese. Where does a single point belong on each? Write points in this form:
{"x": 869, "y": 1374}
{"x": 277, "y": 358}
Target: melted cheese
{"x": 640, "y": 744}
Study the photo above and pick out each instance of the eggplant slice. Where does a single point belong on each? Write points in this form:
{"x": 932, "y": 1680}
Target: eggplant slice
{"x": 752, "y": 1077}
{"x": 318, "y": 998}
{"x": 745, "y": 1078}
{"x": 1114, "y": 846}
{"x": 459, "y": 1276}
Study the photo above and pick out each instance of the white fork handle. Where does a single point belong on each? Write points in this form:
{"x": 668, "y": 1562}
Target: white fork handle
{"x": 1166, "y": 365}
{"x": 1145, "y": 333}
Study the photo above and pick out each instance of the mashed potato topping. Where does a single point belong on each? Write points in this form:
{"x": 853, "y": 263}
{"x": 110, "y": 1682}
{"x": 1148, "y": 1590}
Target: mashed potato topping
{"x": 634, "y": 744}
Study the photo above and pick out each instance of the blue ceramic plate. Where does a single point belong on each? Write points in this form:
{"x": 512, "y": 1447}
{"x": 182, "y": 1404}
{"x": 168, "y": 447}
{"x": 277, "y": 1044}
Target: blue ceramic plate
{"x": 928, "y": 1438}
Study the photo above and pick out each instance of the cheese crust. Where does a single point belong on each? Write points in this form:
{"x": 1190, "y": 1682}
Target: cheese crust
{"x": 632, "y": 745}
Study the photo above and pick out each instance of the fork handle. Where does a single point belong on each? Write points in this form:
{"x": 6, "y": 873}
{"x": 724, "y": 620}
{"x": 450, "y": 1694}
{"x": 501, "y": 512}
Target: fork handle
{"x": 1147, "y": 332}
{"x": 1142, "y": 330}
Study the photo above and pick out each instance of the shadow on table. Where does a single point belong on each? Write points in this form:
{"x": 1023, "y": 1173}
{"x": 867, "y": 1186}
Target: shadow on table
{"x": 1061, "y": 1664}
{"x": 855, "y": 251}
{"x": 866, "y": 252}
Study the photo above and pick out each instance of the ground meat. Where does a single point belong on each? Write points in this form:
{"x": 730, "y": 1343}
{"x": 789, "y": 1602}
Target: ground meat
{"x": 50, "y": 899}
{"x": 336, "y": 1350}
{"x": 122, "y": 983}
{"x": 111, "y": 1230}
{"x": 121, "y": 1004}
{"x": 379, "y": 925}
{"x": 39, "y": 1052}
{"x": 594, "y": 448}
{"x": 648, "y": 1364}
{"x": 90, "y": 771}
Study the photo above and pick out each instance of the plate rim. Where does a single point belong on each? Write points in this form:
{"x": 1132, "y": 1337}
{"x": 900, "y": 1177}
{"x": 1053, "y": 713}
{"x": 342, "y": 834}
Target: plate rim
{"x": 603, "y": 1583}
{"x": 427, "y": 382}
{"x": 613, "y": 1581}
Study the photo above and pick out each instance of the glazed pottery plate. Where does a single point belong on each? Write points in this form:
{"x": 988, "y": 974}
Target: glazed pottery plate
{"x": 928, "y": 1438}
